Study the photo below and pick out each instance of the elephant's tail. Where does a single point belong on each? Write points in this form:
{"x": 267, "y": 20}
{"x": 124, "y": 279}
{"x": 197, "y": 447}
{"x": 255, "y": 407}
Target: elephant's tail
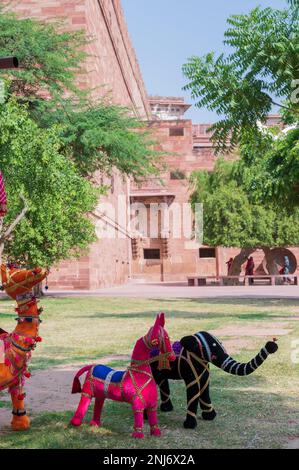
{"x": 76, "y": 382}
{"x": 231, "y": 366}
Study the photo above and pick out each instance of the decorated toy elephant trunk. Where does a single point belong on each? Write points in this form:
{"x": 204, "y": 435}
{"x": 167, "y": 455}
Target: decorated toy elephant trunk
{"x": 231, "y": 366}
{"x": 210, "y": 349}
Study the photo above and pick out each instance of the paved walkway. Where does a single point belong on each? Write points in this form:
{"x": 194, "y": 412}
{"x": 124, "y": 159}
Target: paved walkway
{"x": 181, "y": 290}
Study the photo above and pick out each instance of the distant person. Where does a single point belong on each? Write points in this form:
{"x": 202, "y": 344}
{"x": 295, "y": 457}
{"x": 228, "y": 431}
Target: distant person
{"x": 286, "y": 269}
{"x": 229, "y": 264}
{"x": 249, "y": 269}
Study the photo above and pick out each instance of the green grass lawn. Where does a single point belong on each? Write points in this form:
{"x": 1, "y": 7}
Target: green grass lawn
{"x": 253, "y": 412}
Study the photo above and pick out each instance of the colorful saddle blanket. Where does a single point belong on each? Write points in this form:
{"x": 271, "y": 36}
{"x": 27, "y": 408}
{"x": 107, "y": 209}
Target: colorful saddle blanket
{"x": 108, "y": 374}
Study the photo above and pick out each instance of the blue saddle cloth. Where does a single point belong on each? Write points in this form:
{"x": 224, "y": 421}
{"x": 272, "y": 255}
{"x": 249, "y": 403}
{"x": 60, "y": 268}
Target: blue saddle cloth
{"x": 101, "y": 372}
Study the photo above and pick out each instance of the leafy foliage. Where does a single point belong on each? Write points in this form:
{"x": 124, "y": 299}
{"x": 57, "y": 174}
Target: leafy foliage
{"x": 49, "y": 59}
{"x": 56, "y": 226}
{"x": 236, "y": 216}
{"x": 243, "y": 85}
{"x": 104, "y": 137}
{"x": 270, "y": 168}
{"x": 101, "y": 135}
{"x": 54, "y": 136}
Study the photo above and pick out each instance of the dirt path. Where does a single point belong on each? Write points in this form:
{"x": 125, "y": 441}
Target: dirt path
{"x": 50, "y": 390}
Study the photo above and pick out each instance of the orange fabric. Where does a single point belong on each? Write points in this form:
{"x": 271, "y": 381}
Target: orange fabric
{"x": 18, "y": 284}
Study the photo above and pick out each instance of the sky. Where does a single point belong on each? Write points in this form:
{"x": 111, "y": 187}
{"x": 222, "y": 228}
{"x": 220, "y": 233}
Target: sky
{"x": 166, "y": 32}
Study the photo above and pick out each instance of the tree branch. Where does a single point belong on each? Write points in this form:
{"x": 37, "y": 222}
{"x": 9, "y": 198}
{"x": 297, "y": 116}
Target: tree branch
{"x": 18, "y": 219}
{"x": 282, "y": 106}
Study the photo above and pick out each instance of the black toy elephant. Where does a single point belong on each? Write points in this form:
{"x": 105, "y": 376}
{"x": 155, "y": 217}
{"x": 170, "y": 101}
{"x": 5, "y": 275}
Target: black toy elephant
{"x": 193, "y": 355}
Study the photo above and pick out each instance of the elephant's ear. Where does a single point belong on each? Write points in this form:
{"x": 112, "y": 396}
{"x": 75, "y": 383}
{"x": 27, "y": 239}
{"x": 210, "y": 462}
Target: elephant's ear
{"x": 189, "y": 343}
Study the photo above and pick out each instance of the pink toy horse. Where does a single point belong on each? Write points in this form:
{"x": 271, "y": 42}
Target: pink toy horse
{"x": 135, "y": 385}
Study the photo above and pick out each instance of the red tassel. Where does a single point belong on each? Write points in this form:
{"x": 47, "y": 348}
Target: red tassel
{"x": 163, "y": 363}
{"x": 76, "y": 386}
{"x": 27, "y": 374}
{"x": 29, "y": 340}
{"x": 21, "y": 396}
{"x": 7, "y": 362}
{"x": 38, "y": 339}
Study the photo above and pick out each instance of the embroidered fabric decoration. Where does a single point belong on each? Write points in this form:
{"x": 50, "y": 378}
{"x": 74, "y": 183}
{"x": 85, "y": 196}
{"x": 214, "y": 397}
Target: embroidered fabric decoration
{"x": 16, "y": 348}
{"x": 135, "y": 385}
{"x": 193, "y": 355}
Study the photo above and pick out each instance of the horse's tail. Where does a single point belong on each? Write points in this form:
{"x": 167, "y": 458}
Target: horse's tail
{"x": 76, "y": 382}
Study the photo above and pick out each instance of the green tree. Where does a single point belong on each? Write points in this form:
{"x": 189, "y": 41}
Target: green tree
{"x": 49, "y": 60}
{"x": 236, "y": 217}
{"x": 53, "y": 137}
{"x": 58, "y": 197}
{"x": 252, "y": 202}
{"x": 101, "y": 135}
{"x": 260, "y": 70}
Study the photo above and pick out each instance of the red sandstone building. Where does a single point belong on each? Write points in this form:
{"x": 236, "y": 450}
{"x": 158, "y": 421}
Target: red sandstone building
{"x": 123, "y": 250}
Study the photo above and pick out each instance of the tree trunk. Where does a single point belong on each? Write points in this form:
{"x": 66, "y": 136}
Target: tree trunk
{"x": 236, "y": 267}
{"x": 271, "y": 265}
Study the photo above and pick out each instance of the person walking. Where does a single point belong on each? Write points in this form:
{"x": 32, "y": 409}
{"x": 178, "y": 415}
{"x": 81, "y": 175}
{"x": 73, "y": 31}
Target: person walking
{"x": 229, "y": 264}
{"x": 286, "y": 269}
{"x": 249, "y": 269}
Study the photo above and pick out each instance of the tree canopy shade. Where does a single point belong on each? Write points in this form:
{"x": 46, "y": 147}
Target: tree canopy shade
{"x": 58, "y": 197}
{"x": 234, "y": 216}
{"x": 101, "y": 135}
{"x": 270, "y": 168}
{"x": 261, "y": 69}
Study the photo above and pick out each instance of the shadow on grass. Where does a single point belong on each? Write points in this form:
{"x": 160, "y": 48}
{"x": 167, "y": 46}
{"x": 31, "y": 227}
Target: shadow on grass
{"x": 235, "y": 301}
{"x": 6, "y": 316}
{"x": 225, "y": 300}
{"x": 245, "y": 420}
{"x": 44, "y": 362}
{"x": 207, "y": 315}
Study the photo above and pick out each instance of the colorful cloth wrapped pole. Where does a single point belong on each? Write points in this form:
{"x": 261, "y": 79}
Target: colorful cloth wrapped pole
{"x": 16, "y": 347}
{"x": 3, "y": 200}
